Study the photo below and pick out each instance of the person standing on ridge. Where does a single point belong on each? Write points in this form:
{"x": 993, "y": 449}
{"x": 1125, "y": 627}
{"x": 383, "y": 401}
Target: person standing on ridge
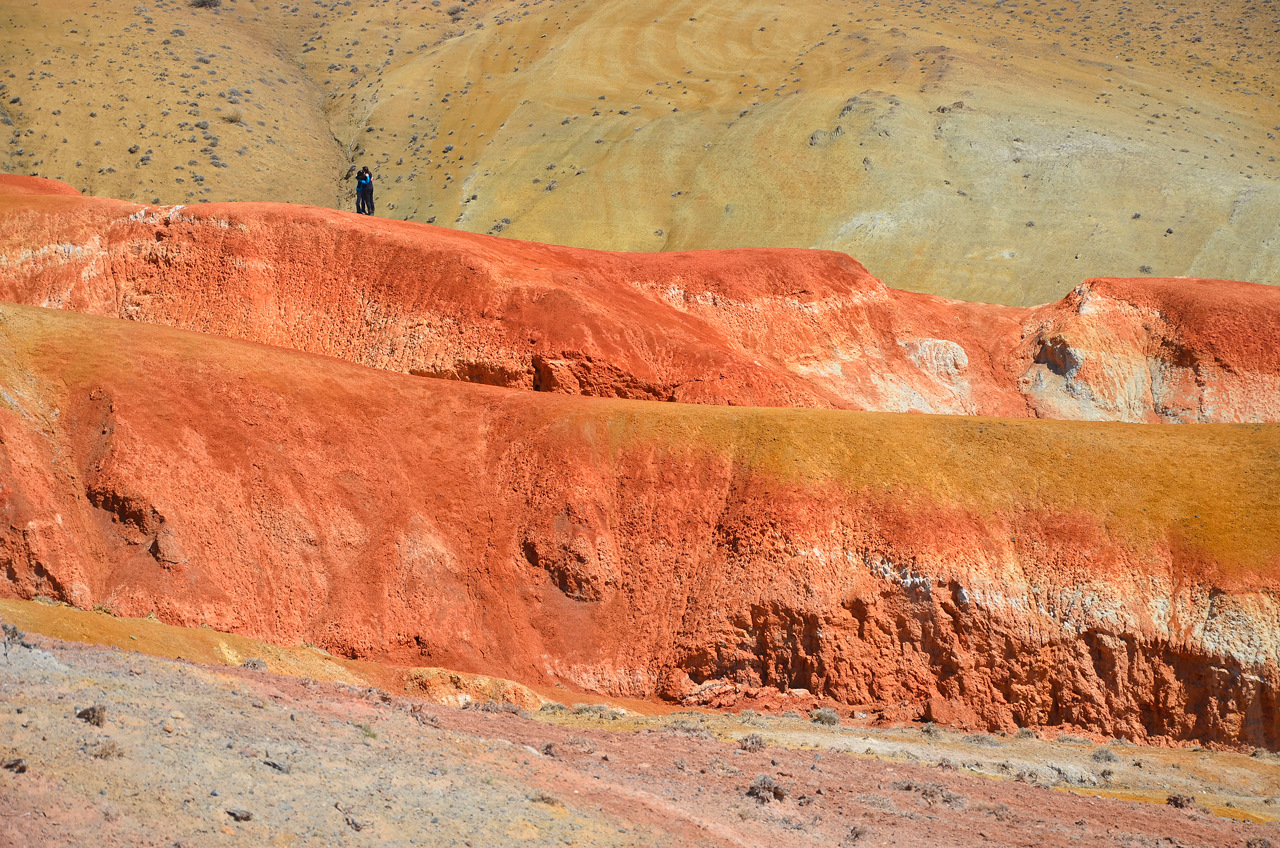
{"x": 364, "y": 192}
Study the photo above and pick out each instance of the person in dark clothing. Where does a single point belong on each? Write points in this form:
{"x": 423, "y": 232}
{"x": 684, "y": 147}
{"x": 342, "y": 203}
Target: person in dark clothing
{"x": 364, "y": 192}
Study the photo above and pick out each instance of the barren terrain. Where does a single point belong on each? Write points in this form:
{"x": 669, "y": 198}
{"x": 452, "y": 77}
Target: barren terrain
{"x": 996, "y": 151}
{"x": 190, "y": 754}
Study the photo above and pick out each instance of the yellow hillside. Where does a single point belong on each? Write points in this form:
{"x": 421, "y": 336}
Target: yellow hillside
{"x": 986, "y": 150}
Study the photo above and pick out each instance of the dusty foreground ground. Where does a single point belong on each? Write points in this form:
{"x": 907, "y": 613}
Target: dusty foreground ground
{"x": 198, "y": 755}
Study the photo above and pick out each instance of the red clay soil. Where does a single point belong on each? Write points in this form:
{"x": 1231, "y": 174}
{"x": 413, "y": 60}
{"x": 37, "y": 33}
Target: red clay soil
{"x": 984, "y": 573}
{"x": 798, "y": 328}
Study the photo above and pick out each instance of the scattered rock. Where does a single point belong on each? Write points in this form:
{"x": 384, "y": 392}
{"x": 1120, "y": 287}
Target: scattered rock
{"x": 239, "y": 814}
{"x": 95, "y": 715}
{"x": 931, "y": 792}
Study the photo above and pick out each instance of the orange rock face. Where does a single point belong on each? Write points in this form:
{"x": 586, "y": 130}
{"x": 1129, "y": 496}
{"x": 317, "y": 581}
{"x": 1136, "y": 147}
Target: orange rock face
{"x": 739, "y": 327}
{"x": 1121, "y": 578}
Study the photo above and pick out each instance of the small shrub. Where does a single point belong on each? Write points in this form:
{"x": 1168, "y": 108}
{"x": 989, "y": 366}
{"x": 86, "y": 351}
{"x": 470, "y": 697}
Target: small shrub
{"x": 581, "y": 744}
{"x": 1025, "y": 733}
{"x": 12, "y": 636}
{"x": 254, "y": 664}
{"x": 491, "y": 706}
{"x": 107, "y": 750}
{"x": 855, "y": 833}
{"x": 539, "y": 796}
{"x": 603, "y": 711}
{"x": 793, "y": 715}
{"x": 692, "y": 729}
{"x": 1104, "y": 755}
{"x": 765, "y": 789}
{"x": 1181, "y": 802}
{"x": 930, "y": 792}
{"x": 825, "y": 716}
{"x": 367, "y": 731}
{"x": 752, "y": 743}
{"x": 1073, "y": 740}
{"x": 233, "y": 116}
{"x": 424, "y": 716}
{"x": 986, "y": 740}
{"x": 205, "y": 4}
{"x": 553, "y": 708}
{"x": 1144, "y": 269}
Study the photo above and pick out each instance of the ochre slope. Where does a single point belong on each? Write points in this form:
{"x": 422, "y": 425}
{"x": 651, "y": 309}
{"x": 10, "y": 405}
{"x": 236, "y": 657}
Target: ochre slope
{"x": 978, "y": 149}
{"x": 760, "y": 328}
{"x": 990, "y": 572}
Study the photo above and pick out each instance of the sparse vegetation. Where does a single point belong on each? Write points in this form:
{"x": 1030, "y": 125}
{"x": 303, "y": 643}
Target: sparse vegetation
{"x": 603, "y": 711}
{"x": 492, "y": 706}
{"x": 12, "y": 636}
{"x": 205, "y": 4}
{"x": 423, "y": 716}
{"x": 765, "y": 789}
{"x": 1104, "y": 755}
{"x": 254, "y": 664}
{"x": 1073, "y": 740}
{"x": 581, "y": 744}
{"x": 933, "y": 793}
{"x": 986, "y": 740}
{"x": 752, "y": 743}
{"x": 106, "y": 750}
{"x": 855, "y": 833}
{"x": 539, "y": 796}
{"x": 691, "y": 728}
{"x": 825, "y": 716}
{"x": 367, "y": 731}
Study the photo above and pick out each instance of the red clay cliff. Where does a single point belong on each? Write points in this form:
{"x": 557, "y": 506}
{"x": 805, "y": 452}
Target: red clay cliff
{"x": 1116, "y": 577}
{"x": 800, "y": 328}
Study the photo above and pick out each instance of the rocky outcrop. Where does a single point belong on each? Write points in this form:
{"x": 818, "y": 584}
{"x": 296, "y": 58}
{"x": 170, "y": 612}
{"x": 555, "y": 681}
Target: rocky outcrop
{"x": 993, "y": 573}
{"x": 1156, "y": 350}
{"x": 738, "y": 327}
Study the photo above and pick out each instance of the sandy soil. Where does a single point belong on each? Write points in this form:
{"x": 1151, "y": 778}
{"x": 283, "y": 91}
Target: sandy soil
{"x": 986, "y": 150}
{"x": 184, "y": 749}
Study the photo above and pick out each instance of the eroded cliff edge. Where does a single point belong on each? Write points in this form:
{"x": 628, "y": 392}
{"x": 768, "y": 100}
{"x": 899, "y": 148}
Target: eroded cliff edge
{"x": 988, "y": 572}
{"x": 798, "y": 328}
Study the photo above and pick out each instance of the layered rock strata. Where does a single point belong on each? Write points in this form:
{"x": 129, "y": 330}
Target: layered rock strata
{"x": 738, "y": 327}
{"x": 995, "y": 573}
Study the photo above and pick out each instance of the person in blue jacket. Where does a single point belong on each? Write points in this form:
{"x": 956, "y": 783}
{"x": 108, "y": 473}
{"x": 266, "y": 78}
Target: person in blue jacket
{"x": 364, "y": 192}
